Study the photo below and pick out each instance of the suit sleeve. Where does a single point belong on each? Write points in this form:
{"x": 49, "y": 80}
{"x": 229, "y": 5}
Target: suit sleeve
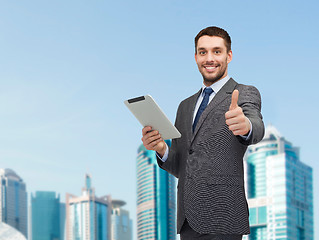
{"x": 250, "y": 101}
{"x": 172, "y": 165}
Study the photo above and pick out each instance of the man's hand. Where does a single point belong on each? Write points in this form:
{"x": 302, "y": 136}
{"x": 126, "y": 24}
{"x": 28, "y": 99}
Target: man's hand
{"x": 152, "y": 140}
{"x": 236, "y": 120}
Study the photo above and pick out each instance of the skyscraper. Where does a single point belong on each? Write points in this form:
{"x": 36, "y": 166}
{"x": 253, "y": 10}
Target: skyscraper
{"x": 87, "y": 216}
{"x": 62, "y": 221}
{"x": 121, "y": 228}
{"x": 156, "y": 199}
{"x": 13, "y": 201}
{"x": 45, "y": 215}
{"x": 279, "y": 190}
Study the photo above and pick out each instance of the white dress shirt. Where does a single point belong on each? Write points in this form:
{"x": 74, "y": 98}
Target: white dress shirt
{"x": 216, "y": 87}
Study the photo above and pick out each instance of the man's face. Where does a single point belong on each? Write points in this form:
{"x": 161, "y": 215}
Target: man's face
{"x": 212, "y": 58}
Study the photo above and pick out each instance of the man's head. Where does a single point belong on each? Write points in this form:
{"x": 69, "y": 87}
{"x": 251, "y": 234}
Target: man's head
{"x": 217, "y": 32}
{"x": 212, "y": 54}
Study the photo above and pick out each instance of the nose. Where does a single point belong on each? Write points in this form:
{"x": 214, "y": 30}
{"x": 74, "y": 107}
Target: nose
{"x": 210, "y": 57}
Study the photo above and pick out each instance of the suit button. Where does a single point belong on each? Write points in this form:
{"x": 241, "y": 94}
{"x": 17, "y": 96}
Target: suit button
{"x": 190, "y": 151}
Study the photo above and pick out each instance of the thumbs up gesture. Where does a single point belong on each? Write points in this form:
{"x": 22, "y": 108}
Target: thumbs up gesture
{"x": 236, "y": 120}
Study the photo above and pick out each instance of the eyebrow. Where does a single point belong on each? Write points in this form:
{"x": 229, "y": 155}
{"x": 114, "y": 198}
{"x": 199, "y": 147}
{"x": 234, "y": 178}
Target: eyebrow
{"x": 215, "y": 48}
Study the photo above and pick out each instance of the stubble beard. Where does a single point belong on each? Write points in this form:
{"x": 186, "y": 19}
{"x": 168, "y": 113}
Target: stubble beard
{"x": 211, "y": 80}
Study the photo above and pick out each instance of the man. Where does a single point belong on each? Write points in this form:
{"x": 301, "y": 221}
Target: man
{"x": 217, "y": 124}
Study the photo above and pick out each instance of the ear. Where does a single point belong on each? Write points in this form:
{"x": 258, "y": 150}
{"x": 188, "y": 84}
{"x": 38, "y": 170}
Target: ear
{"x": 229, "y": 56}
{"x": 196, "y": 57}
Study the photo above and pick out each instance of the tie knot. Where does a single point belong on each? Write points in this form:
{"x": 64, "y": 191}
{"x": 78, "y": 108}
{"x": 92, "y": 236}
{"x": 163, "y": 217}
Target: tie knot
{"x": 208, "y": 91}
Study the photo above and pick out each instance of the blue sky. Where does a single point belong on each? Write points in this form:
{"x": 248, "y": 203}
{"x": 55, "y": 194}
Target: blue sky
{"x": 67, "y": 66}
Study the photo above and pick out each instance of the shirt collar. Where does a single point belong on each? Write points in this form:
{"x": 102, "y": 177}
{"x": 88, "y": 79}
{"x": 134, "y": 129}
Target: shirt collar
{"x": 216, "y": 86}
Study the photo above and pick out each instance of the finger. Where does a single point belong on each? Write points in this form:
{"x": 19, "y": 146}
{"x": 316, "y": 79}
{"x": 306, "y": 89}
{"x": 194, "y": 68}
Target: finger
{"x": 231, "y": 121}
{"x": 146, "y": 129}
{"x": 150, "y": 138}
{"x": 239, "y": 129}
{"x": 234, "y": 100}
{"x": 154, "y": 143}
{"x": 233, "y": 113}
{"x": 239, "y": 132}
{"x": 152, "y": 133}
{"x": 235, "y": 127}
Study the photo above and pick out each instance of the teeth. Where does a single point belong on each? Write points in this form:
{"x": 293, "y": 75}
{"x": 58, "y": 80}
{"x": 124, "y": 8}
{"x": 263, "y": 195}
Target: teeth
{"x": 210, "y": 68}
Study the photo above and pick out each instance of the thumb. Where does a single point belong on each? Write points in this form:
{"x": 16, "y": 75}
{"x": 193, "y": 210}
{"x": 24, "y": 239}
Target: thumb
{"x": 234, "y": 100}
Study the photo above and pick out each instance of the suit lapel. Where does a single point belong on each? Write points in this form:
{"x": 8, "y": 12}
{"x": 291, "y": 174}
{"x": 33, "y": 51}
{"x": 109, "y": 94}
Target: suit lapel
{"x": 223, "y": 93}
{"x": 190, "y": 113}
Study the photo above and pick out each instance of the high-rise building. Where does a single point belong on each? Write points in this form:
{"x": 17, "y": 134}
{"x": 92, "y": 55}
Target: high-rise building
{"x": 279, "y": 190}
{"x": 13, "y": 201}
{"x": 45, "y": 216}
{"x": 156, "y": 199}
{"x": 87, "y": 216}
{"x": 121, "y": 228}
{"x": 62, "y": 221}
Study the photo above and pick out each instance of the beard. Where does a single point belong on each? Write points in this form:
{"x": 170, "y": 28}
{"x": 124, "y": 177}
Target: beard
{"x": 210, "y": 79}
{"x": 213, "y": 79}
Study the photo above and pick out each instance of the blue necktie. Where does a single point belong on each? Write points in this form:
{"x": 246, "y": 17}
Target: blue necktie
{"x": 203, "y": 105}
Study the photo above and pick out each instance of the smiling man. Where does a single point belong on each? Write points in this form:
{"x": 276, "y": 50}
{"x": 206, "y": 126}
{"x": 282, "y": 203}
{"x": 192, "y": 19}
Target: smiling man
{"x": 217, "y": 124}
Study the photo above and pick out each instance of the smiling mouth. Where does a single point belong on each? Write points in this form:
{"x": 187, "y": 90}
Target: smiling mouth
{"x": 210, "y": 68}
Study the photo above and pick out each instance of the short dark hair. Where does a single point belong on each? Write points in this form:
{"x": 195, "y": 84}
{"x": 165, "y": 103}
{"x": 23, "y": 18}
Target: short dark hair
{"x": 217, "y": 32}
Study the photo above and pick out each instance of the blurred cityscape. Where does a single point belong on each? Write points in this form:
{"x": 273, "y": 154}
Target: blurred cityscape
{"x": 279, "y": 190}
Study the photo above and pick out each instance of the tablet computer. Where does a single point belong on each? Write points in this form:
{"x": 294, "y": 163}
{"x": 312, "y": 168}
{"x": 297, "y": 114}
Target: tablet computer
{"x": 148, "y": 113}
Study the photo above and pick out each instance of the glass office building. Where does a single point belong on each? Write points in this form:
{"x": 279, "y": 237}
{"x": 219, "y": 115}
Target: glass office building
{"x": 45, "y": 216}
{"x": 156, "y": 199}
{"x": 62, "y": 221}
{"x": 279, "y": 190}
{"x": 13, "y": 201}
{"x": 87, "y": 216}
{"x": 121, "y": 228}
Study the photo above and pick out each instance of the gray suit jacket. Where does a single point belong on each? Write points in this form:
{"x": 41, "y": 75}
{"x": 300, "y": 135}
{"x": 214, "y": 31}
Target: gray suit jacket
{"x": 209, "y": 163}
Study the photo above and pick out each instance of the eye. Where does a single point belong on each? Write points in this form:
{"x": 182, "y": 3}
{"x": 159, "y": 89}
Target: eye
{"x": 217, "y": 52}
{"x": 202, "y": 52}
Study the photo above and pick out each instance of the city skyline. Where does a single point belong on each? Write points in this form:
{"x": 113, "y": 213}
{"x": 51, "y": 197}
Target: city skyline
{"x": 67, "y": 67}
{"x": 45, "y": 217}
